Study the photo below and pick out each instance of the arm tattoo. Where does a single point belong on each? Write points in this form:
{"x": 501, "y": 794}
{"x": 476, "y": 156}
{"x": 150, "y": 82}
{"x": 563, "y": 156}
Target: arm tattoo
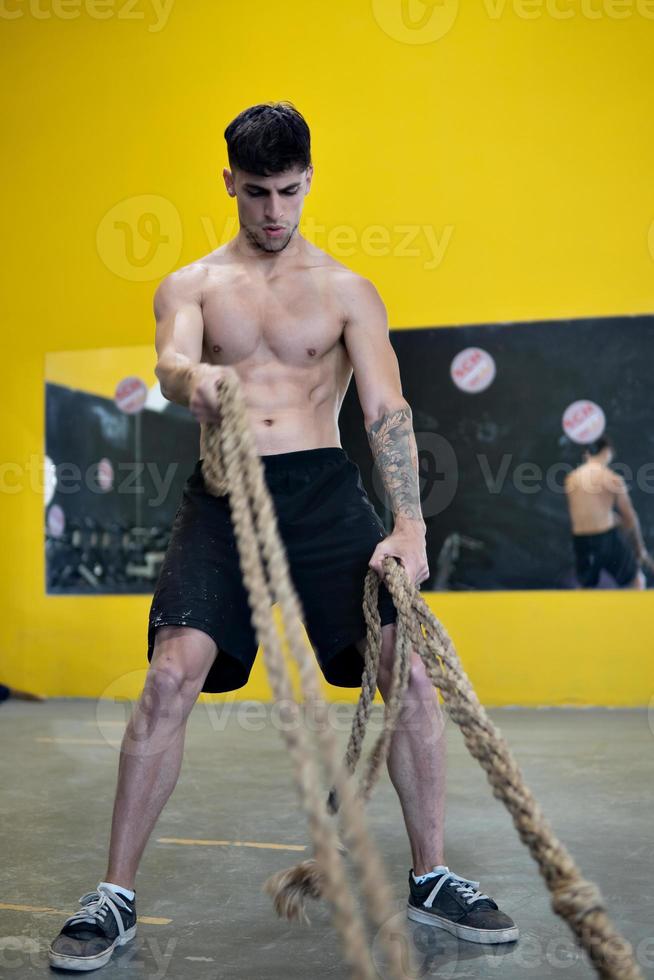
{"x": 393, "y": 446}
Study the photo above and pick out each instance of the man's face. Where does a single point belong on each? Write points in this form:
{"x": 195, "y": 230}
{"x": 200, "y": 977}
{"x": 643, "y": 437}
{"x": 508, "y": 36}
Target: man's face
{"x": 269, "y": 208}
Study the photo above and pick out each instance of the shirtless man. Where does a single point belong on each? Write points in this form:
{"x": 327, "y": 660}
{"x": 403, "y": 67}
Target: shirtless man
{"x": 594, "y": 491}
{"x": 291, "y": 324}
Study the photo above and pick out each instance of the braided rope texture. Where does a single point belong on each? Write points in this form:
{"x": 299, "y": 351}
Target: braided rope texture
{"x": 231, "y": 466}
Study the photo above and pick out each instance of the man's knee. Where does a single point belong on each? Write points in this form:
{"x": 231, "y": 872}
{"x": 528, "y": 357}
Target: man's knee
{"x": 419, "y": 683}
{"x": 181, "y": 659}
{"x": 419, "y": 680}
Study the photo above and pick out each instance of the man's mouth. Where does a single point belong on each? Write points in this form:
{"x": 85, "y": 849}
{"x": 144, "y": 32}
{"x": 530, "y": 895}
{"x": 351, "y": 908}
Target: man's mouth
{"x": 274, "y": 231}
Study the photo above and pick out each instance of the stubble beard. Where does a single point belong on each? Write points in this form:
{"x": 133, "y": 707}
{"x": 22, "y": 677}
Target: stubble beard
{"x": 253, "y": 240}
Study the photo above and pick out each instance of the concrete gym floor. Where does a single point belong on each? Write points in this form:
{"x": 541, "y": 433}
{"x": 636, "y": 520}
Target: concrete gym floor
{"x": 201, "y": 908}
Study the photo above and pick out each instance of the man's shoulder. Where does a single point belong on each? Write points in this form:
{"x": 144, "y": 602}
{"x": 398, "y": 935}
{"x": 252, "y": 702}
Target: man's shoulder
{"x": 353, "y": 289}
{"x": 185, "y": 282}
{"x": 614, "y": 482}
{"x": 338, "y": 272}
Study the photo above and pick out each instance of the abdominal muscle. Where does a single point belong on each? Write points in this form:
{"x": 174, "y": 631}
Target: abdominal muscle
{"x": 288, "y": 414}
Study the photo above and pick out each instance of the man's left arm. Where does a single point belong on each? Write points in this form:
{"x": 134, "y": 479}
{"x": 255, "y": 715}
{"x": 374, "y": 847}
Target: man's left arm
{"x": 389, "y": 426}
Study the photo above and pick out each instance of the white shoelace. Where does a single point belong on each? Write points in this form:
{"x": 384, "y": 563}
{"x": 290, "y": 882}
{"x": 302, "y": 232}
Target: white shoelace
{"x": 466, "y": 887}
{"x": 96, "y": 905}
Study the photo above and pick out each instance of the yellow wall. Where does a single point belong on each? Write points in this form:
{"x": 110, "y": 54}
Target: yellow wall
{"x": 99, "y": 371}
{"x": 513, "y": 140}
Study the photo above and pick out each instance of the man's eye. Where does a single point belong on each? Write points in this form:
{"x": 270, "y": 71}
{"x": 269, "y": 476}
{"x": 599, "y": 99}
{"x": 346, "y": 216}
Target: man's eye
{"x": 290, "y": 193}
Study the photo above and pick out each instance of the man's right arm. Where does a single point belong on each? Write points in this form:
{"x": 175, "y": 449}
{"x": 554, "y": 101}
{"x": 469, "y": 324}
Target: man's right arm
{"x": 178, "y": 337}
{"x": 629, "y": 516}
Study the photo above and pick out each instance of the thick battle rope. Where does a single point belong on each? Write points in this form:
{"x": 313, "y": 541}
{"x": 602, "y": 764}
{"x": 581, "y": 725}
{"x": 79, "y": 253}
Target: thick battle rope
{"x": 232, "y": 466}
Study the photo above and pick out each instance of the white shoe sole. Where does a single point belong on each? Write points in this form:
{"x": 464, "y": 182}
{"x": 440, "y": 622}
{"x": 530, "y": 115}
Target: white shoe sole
{"x": 463, "y": 932}
{"x": 89, "y": 962}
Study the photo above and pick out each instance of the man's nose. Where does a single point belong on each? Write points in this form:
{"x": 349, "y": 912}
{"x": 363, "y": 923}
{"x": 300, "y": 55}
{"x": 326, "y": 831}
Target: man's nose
{"x": 273, "y": 208}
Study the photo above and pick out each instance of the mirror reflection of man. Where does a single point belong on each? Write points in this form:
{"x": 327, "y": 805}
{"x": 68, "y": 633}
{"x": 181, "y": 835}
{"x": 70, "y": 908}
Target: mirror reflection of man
{"x": 599, "y": 505}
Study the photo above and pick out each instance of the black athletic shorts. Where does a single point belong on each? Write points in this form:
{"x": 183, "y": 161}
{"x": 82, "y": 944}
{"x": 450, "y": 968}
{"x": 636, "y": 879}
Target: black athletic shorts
{"x": 329, "y": 529}
{"x": 607, "y": 550}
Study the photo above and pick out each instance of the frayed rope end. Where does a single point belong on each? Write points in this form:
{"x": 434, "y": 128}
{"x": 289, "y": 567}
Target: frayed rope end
{"x": 290, "y": 890}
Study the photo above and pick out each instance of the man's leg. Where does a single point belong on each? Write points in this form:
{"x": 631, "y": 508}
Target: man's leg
{"x": 416, "y": 759}
{"x": 153, "y": 744}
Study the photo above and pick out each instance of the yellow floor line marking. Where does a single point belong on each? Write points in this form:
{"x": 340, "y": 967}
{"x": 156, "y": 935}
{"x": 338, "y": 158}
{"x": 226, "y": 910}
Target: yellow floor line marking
{"x": 232, "y": 843}
{"x": 76, "y": 741}
{"x": 148, "y": 920}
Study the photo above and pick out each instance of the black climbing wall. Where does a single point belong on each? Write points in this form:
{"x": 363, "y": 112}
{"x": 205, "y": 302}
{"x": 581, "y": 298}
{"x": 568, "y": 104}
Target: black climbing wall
{"x": 82, "y": 428}
{"x": 471, "y": 444}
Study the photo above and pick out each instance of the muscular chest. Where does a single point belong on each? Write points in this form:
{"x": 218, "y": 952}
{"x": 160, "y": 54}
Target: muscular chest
{"x": 258, "y": 322}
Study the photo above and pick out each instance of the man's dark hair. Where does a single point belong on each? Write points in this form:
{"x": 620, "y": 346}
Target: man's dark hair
{"x": 602, "y": 443}
{"x": 268, "y": 139}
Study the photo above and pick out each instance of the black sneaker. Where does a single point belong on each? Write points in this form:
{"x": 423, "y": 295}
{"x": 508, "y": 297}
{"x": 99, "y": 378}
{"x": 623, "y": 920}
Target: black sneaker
{"x": 450, "y": 902}
{"x": 88, "y": 937}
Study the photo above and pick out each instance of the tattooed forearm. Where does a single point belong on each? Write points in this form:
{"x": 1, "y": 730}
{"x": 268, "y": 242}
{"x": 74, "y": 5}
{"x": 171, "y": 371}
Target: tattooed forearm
{"x": 394, "y": 449}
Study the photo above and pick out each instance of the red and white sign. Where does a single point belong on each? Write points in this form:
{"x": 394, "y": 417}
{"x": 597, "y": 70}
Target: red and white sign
{"x": 56, "y": 521}
{"x": 105, "y": 474}
{"x": 130, "y": 395}
{"x": 583, "y": 421}
{"x": 473, "y": 370}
